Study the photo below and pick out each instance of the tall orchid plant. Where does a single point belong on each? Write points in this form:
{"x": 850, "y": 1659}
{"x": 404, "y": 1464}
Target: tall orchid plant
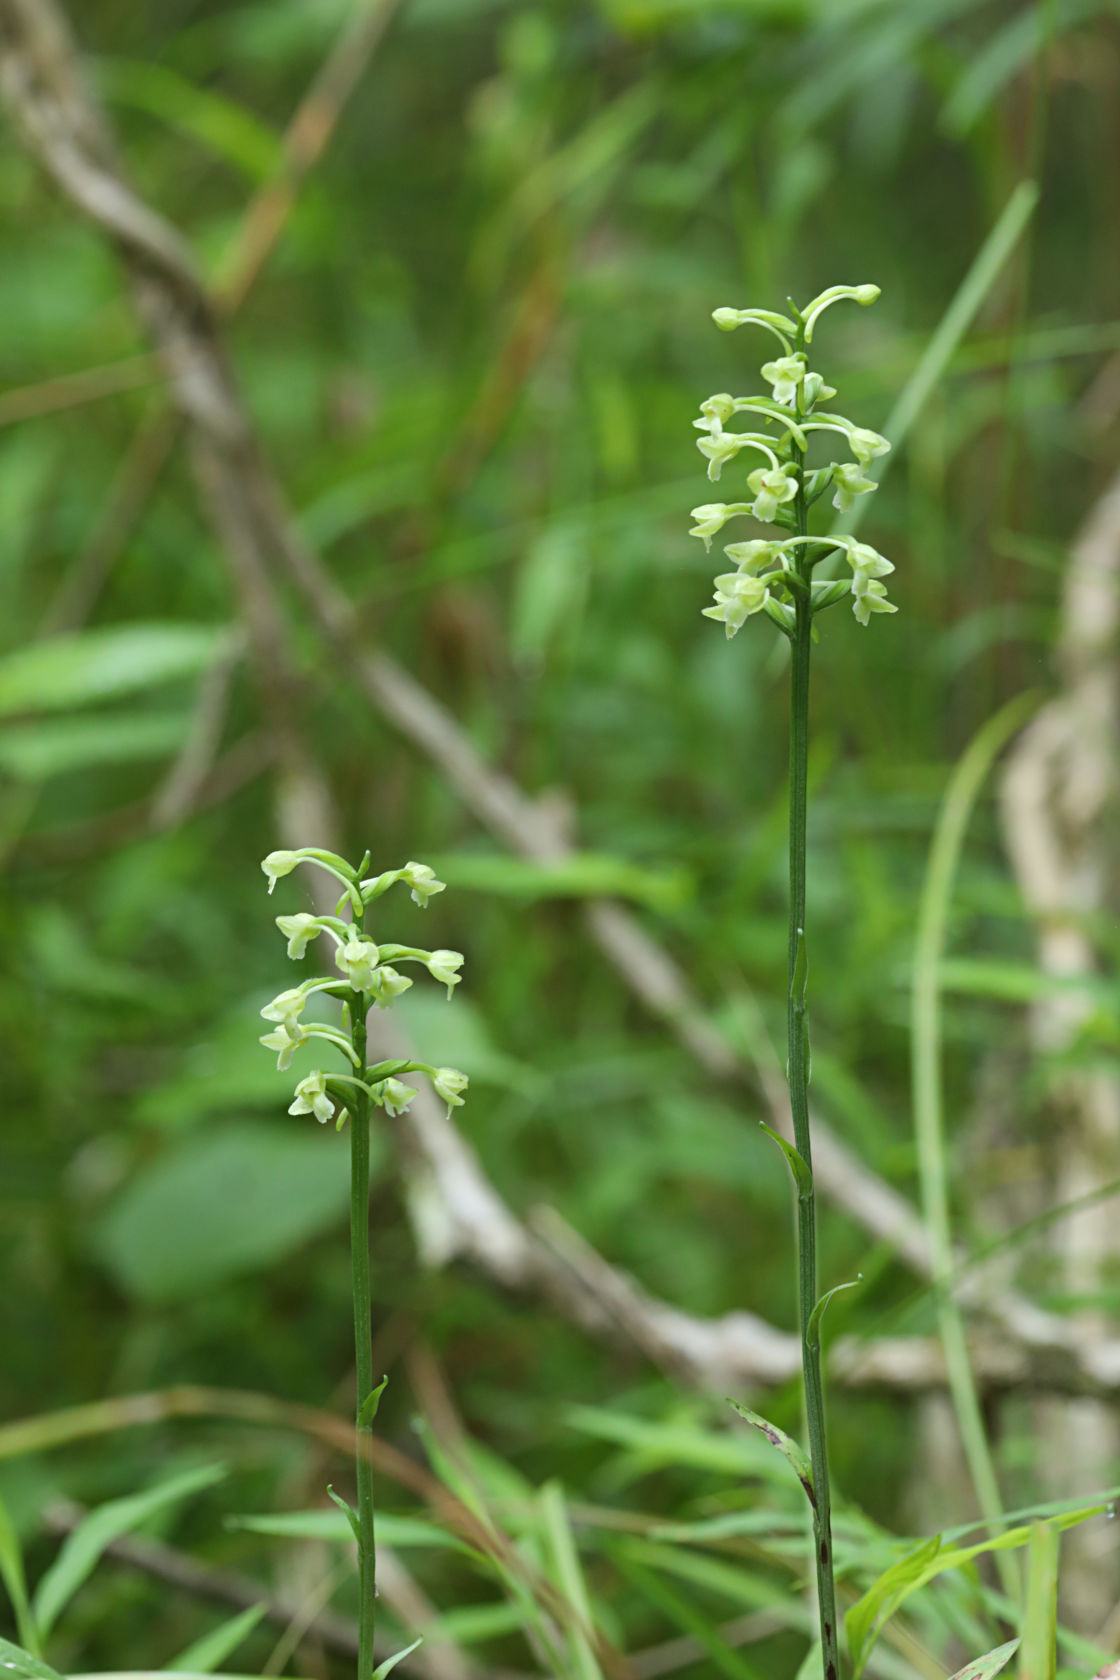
{"x": 367, "y": 978}
{"x": 774, "y": 575}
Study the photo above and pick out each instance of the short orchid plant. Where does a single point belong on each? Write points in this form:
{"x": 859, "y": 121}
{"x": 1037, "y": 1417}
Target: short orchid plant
{"x": 774, "y": 575}
{"x": 367, "y": 978}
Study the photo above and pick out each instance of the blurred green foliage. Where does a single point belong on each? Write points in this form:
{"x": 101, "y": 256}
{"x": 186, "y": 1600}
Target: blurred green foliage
{"x": 473, "y": 359}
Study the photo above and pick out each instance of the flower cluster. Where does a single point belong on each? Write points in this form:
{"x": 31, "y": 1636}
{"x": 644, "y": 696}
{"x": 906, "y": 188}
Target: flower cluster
{"x": 772, "y": 576}
{"x": 367, "y": 977}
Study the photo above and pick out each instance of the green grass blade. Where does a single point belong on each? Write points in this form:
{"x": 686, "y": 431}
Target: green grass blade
{"x": 929, "y": 1120}
{"x": 12, "y": 1574}
{"x": 82, "y": 1549}
{"x": 569, "y": 1579}
{"x": 208, "y": 1653}
{"x": 1038, "y": 1657}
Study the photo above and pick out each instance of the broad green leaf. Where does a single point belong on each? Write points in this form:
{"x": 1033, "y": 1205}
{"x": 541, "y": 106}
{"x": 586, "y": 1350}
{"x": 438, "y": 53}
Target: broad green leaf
{"x": 82, "y": 1549}
{"x": 786, "y": 1445}
{"x": 18, "y": 1664}
{"x": 12, "y": 1574}
{"x": 94, "y": 665}
{"x": 32, "y": 752}
{"x": 987, "y": 1667}
{"x": 209, "y": 1652}
{"x": 217, "y": 1204}
{"x": 390, "y": 1663}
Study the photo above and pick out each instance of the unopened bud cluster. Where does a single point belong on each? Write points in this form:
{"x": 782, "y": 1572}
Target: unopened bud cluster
{"x": 367, "y": 977}
{"x": 771, "y": 575}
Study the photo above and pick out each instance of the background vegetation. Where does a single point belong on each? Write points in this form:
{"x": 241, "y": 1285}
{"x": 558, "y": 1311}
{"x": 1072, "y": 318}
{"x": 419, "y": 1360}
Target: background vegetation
{"x": 472, "y": 358}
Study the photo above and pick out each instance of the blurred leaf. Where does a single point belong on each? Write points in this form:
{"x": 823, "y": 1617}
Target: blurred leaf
{"x": 1038, "y": 1658}
{"x": 12, "y": 1574}
{"x": 583, "y": 875}
{"x": 92, "y": 665}
{"x": 22, "y": 1665}
{"x": 209, "y": 1652}
{"x": 396, "y": 1531}
{"x": 987, "y": 1667}
{"x": 463, "y": 1040}
{"x": 390, "y": 1663}
{"x": 213, "y": 1206}
{"x": 82, "y": 1549}
{"x": 34, "y": 751}
{"x": 223, "y": 126}
{"x": 866, "y": 1619}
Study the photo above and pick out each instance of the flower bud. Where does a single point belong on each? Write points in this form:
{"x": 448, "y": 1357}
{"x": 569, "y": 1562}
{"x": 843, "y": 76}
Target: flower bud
{"x": 277, "y": 864}
{"x": 814, "y": 390}
{"x": 726, "y": 319}
{"x": 866, "y": 444}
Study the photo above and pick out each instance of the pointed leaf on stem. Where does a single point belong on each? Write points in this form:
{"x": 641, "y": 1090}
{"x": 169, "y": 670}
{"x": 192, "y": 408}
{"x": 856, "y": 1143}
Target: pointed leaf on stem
{"x": 798, "y": 1166}
{"x": 383, "y": 1669}
{"x": 813, "y": 1328}
{"x": 785, "y": 1444}
{"x": 348, "y": 1511}
{"x": 370, "y": 1404}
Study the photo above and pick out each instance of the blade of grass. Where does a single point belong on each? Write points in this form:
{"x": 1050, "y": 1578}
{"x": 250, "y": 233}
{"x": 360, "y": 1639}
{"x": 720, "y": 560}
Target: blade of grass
{"x": 929, "y": 1119}
{"x": 12, "y": 1573}
{"x": 1038, "y": 1655}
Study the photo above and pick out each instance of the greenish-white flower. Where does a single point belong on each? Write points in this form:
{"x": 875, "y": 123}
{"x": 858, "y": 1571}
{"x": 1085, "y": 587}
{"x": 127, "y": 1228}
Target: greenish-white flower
{"x": 286, "y": 1006}
{"x": 714, "y": 411}
{"x": 850, "y": 483}
{"x": 753, "y": 556}
{"x": 311, "y": 1098}
{"x": 423, "y": 882}
{"x": 711, "y": 517}
{"x": 738, "y": 595}
{"x": 785, "y": 374}
{"x": 386, "y": 985}
{"x": 718, "y": 451}
{"x": 285, "y": 1039}
{"x": 394, "y": 1095}
{"x": 277, "y": 864}
{"x": 299, "y": 931}
{"x": 872, "y": 598}
{"x": 866, "y": 444}
{"x": 772, "y": 487}
{"x": 450, "y": 1084}
{"x": 866, "y": 563}
{"x": 358, "y": 960}
{"x": 444, "y": 966}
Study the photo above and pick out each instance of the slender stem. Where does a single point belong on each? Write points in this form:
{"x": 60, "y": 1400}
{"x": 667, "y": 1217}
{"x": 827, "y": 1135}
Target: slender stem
{"x": 363, "y": 1341}
{"x": 798, "y": 1039}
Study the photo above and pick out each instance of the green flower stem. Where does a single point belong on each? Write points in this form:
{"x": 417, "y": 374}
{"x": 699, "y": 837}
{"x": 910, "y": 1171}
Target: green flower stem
{"x": 363, "y": 1340}
{"x": 798, "y": 1040}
